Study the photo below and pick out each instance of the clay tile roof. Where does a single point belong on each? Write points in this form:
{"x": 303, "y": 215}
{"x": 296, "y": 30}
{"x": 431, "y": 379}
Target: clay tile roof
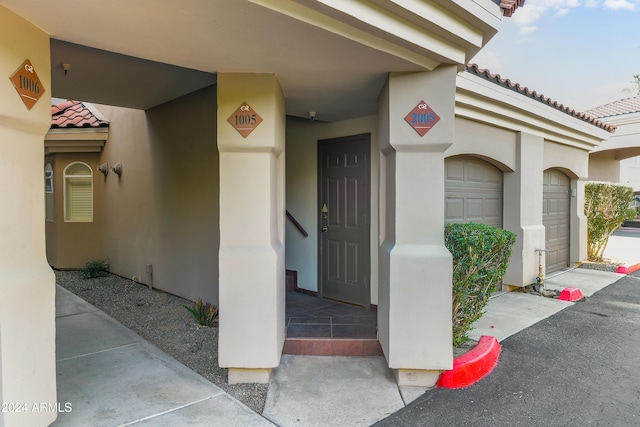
{"x": 525, "y": 91}
{"x": 616, "y": 108}
{"x": 76, "y": 114}
{"x": 509, "y": 6}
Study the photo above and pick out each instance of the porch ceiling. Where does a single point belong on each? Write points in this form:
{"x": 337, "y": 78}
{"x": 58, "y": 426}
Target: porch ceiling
{"x": 331, "y": 57}
{"x": 622, "y": 147}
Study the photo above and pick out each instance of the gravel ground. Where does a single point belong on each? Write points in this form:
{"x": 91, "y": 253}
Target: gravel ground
{"x": 606, "y": 265}
{"x": 161, "y": 319}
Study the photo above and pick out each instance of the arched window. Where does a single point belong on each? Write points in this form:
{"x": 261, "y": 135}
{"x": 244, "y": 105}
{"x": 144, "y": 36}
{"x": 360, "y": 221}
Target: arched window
{"x": 48, "y": 191}
{"x": 78, "y": 193}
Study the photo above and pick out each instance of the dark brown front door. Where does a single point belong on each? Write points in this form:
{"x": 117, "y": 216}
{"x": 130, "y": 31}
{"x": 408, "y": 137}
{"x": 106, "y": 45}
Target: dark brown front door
{"x": 343, "y": 207}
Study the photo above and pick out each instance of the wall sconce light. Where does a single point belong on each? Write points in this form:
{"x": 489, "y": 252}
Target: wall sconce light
{"x": 66, "y": 67}
{"x": 117, "y": 169}
{"x": 104, "y": 168}
{"x": 312, "y": 115}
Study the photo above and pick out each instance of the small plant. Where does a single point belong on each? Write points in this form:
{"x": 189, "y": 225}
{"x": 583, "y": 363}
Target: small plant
{"x": 481, "y": 255}
{"x": 206, "y": 314}
{"x": 95, "y": 268}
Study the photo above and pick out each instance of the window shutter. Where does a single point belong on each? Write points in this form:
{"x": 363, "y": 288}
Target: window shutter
{"x": 78, "y": 193}
{"x": 80, "y": 200}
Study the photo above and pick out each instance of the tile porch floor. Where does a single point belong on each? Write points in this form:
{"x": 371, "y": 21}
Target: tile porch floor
{"x": 319, "y": 326}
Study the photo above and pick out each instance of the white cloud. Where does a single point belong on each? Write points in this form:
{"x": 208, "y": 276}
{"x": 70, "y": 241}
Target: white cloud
{"x": 528, "y": 29}
{"x": 533, "y": 10}
{"x": 621, "y": 4}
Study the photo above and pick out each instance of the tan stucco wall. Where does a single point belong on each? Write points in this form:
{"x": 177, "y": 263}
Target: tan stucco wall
{"x": 72, "y": 244}
{"x": 302, "y": 194}
{"x": 573, "y": 161}
{"x": 616, "y": 160}
{"x": 496, "y": 145}
{"x": 27, "y": 284}
{"x": 604, "y": 167}
{"x": 630, "y": 172}
{"x": 163, "y": 210}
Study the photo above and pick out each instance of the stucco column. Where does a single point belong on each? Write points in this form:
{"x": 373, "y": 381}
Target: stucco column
{"x": 27, "y": 284}
{"x": 523, "y": 210}
{"x": 414, "y": 302}
{"x": 252, "y": 274}
{"x": 578, "y": 226}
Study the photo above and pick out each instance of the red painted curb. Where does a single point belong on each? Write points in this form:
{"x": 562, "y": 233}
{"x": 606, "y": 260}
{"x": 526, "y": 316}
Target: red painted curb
{"x": 571, "y": 294}
{"x": 473, "y": 366}
{"x": 628, "y": 269}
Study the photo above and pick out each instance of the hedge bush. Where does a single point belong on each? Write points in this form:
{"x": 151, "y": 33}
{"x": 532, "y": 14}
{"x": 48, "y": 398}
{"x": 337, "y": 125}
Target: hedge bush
{"x": 480, "y": 258}
{"x": 606, "y": 207}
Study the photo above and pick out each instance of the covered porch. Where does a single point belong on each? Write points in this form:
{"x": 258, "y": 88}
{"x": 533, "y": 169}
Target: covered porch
{"x": 350, "y": 61}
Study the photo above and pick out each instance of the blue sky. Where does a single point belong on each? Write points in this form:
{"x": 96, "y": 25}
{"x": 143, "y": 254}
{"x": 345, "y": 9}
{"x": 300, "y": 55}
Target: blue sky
{"x": 581, "y": 53}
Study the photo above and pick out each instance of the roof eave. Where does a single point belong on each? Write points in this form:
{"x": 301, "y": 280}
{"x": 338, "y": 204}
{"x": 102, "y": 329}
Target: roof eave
{"x": 482, "y": 100}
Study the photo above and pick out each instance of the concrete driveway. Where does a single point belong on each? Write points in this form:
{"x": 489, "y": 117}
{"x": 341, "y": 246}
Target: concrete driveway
{"x": 579, "y": 367}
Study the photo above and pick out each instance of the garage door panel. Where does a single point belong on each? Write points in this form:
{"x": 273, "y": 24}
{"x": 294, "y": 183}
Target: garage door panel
{"x": 493, "y": 207}
{"x": 475, "y": 208}
{"x": 563, "y": 233}
{"x": 454, "y": 209}
{"x": 556, "y": 219}
{"x": 474, "y": 173}
{"x": 454, "y": 171}
{"x": 473, "y": 191}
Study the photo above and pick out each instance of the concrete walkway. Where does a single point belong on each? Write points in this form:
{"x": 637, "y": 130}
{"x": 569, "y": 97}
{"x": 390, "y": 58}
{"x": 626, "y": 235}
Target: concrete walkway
{"x": 112, "y": 377}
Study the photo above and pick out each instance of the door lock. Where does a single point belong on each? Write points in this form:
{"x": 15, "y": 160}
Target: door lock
{"x": 325, "y": 211}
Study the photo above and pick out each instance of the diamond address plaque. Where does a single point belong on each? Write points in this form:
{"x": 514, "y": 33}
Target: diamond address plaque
{"x": 27, "y": 84}
{"x": 245, "y": 120}
{"x": 422, "y": 118}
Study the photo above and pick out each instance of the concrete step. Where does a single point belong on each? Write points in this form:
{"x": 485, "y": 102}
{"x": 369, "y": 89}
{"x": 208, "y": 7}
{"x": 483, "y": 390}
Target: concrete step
{"x": 332, "y": 347}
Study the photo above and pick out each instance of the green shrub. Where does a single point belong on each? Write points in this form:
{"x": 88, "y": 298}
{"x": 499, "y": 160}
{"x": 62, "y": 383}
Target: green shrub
{"x": 480, "y": 258}
{"x": 95, "y": 268}
{"x": 205, "y": 314}
{"x": 606, "y": 207}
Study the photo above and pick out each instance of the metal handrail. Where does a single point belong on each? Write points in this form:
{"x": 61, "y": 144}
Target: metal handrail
{"x": 297, "y": 224}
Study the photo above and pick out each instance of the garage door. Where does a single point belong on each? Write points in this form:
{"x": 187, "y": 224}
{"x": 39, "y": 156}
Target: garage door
{"x": 473, "y": 191}
{"x": 556, "y": 218}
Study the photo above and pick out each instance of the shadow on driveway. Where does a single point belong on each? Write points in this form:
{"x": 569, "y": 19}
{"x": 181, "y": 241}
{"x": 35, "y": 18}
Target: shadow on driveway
{"x": 579, "y": 367}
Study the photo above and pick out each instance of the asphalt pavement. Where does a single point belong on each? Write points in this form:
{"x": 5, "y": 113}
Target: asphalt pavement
{"x": 578, "y": 367}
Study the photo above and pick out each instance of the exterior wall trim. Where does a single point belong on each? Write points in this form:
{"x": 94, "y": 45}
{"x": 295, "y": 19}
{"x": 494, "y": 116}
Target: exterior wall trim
{"x": 480, "y": 100}
{"x": 422, "y": 33}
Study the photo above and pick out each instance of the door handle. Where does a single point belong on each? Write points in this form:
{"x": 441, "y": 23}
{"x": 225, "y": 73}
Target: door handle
{"x": 325, "y": 211}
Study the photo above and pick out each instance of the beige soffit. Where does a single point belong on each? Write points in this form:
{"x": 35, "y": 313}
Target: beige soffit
{"x": 483, "y": 101}
{"x": 426, "y": 33}
{"x": 75, "y": 140}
